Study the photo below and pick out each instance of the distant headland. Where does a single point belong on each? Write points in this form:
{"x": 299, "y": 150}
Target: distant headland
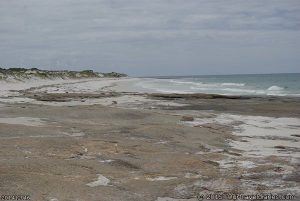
{"x": 31, "y": 73}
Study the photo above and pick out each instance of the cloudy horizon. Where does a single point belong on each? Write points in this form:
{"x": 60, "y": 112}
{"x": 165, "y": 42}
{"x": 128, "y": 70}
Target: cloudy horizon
{"x": 157, "y": 37}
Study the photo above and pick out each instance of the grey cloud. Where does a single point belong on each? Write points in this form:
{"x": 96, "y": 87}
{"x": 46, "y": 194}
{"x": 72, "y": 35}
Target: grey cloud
{"x": 143, "y": 37}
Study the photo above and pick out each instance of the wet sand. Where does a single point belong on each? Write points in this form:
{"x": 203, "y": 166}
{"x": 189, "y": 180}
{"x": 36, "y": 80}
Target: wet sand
{"x": 111, "y": 145}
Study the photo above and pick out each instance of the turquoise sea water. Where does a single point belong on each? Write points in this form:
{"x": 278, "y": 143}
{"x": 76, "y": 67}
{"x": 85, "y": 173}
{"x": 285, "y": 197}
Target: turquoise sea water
{"x": 254, "y": 84}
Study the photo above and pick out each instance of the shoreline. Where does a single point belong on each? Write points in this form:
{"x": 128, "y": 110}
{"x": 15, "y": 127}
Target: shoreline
{"x": 117, "y": 144}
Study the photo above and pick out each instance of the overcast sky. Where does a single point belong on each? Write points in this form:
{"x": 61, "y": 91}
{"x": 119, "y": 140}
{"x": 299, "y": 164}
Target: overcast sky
{"x": 152, "y": 37}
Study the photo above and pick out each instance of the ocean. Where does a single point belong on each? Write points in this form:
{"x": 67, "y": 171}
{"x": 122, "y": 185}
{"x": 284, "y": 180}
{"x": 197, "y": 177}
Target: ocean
{"x": 252, "y": 84}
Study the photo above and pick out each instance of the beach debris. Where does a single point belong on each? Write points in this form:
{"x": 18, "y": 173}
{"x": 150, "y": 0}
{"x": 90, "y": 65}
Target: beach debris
{"x": 85, "y": 149}
{"x": 278, "y": 169}
{"x": 101, "y": 181}
{"x": 187, "y": 118}
{"x": 114, "y": 102}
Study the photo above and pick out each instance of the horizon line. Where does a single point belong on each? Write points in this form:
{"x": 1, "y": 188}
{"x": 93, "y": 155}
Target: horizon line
{"x": 150, "y": 76}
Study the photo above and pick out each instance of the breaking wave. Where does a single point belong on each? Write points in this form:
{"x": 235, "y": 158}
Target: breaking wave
{"x": 219, "y": 86}
{"x": 275, "y": 88}
{"x": 233, "y": 84}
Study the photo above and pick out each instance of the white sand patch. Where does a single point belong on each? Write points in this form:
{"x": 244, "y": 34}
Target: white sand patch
{"x": 9, "y": 88}
{"x": 86, "y": 86}
{"x": 260, "y": 135}
{"x": 161, "y": 178}
{"x": 221, "y": 184}
{"x": 284, "y": 170}
{"x": 162, "y": 142}
{"x": 80, "y": 86}
{"x": 101, "y": 181}
{"x": 16, "y": 100}
{"x": 227, "y": 163}
{"x": 247, "y": 164}
{"x": 74, "y": 134}
{"x": 53, "y": 199}
{"x": 106, "y": 161}
{"x": 26, "y": 121}
{"x": 232, "y": 162}
{"x": 192, "y": 176}
{"x": 32, "y": 136}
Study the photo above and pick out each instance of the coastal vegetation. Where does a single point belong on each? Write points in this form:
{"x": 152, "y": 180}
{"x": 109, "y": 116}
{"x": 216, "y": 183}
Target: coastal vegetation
{"x": 35, "y": 73}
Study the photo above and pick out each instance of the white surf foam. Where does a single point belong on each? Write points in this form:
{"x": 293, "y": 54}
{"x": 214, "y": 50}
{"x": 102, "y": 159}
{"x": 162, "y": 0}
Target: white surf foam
{"x": 225, "y": 88}
{"x": 275, "y": 88}
{"x": 233, "y": 84}
{"x": 101, "y": 181}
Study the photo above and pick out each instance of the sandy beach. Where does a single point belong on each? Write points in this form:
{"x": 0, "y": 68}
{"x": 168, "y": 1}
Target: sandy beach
{"x": 105, "y": 139}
